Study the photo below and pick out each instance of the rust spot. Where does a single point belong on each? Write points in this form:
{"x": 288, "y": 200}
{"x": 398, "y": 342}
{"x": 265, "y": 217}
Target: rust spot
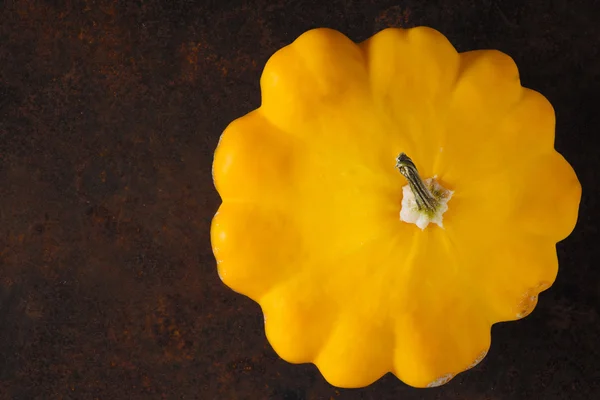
{"x": 6, "y": 281}
{"x": 168, "y": 333}
{"x": 200, "y": 59}
{"x": 33, "y": 309}
{"x": 393, "y": 17}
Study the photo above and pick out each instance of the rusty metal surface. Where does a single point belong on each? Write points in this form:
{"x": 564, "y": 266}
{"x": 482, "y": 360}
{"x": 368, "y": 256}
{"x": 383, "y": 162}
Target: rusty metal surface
{"x": 109, "y": 113}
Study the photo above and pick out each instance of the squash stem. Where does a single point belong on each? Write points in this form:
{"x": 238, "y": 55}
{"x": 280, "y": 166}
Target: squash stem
{"x": 426, "y": 201}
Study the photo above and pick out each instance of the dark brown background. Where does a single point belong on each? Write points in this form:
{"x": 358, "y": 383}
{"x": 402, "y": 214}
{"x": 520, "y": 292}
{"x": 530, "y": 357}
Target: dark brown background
{"x": 109, "y": 114}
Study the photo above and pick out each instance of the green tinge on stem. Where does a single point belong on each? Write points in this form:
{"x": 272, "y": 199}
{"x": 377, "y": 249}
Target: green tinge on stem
{"x": 425, "y": 200}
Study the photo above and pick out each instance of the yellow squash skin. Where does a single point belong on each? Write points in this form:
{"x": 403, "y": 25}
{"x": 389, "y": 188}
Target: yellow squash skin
{"x": 309, "y": 224}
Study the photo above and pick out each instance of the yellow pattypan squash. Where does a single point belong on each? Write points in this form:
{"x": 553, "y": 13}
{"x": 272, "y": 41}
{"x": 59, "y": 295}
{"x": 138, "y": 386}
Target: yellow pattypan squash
{"x": 388, "y": 202}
